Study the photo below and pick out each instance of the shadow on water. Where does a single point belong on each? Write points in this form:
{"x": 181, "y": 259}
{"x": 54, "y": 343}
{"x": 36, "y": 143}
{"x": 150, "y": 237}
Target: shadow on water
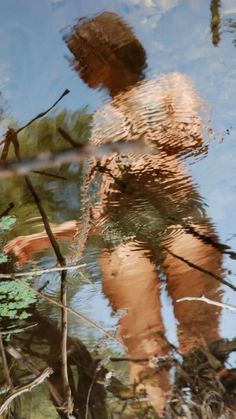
{"x": 144, "y": 224}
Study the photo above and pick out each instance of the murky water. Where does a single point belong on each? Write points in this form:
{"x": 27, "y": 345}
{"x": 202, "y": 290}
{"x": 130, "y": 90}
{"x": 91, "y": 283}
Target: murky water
{"x": 145, "y": 227}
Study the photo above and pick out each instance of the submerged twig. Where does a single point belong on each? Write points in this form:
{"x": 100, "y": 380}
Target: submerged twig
{"x": 199, "y": 268}
{"x": 52, "y": 175}
{"x": 64, "y": 332}
{"x": 68, "y": 138}
{"x": 24, "y": 388}
{"x": 208, "y": 301}
{"x": 5, "y": 364}
{"x": 7, "y": 210}
{"x": 89, "y": 394}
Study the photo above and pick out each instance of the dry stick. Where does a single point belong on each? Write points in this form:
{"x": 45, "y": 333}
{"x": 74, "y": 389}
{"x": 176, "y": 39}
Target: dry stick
{"x": 15, "y": 330}
{"x": 40, "y": 115}
{"x": 7, "y": 210}
{"x": 41, "y": 271}
{"x": 27, "y": 387}
{"x": 199, "y": 268}
{"x": 208, "y": 301}
{"x": 61, "y": 260}
{"x": 22, "y": 359}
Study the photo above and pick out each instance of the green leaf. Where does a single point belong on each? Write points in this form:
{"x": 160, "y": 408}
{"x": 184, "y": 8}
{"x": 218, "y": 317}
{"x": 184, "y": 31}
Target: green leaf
{"x": 14, "y": 300}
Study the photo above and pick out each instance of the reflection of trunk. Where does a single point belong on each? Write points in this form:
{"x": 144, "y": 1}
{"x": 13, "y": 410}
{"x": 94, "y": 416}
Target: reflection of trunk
{"x": 215, "y": 22}
{"x": 44, "y": 343}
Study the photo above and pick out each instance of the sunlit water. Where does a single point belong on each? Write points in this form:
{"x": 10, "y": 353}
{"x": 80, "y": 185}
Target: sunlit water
{"x": 154, "y": 202}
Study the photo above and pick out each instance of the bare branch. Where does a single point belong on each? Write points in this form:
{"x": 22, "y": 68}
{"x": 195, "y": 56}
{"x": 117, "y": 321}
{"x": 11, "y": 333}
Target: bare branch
{"x": 208, "y": 301}
{"x": 27, "y": 387}
{"x": 40, "y": 115}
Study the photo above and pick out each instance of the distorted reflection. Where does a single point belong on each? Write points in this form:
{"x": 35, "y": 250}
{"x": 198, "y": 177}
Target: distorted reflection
{"x": 146, "y": 205}
{"x": 144, "y": 209}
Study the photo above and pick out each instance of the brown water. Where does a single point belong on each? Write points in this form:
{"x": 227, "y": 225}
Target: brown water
{"x": 145, "y": 228}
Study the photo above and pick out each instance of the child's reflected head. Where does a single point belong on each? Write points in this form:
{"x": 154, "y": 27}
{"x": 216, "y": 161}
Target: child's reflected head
{"x": 106, "y": 52}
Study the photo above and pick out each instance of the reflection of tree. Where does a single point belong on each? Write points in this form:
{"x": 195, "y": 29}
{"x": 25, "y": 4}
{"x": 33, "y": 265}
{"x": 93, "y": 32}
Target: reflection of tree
{"x": 43, "y": 135}
{"x": 230, "y": 25}
{"x": 215, "y": 21}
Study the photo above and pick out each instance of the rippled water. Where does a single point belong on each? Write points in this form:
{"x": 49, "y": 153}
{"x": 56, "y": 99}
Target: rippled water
{"x": 149, "y": 228}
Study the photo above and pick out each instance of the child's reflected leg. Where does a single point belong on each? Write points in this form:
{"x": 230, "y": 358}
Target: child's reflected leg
{"x": 130, "y": 282}
{"x": 196, "y": 319}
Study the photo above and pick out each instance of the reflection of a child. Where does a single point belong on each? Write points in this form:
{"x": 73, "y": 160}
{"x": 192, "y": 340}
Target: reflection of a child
{"x": 147, "y": 203}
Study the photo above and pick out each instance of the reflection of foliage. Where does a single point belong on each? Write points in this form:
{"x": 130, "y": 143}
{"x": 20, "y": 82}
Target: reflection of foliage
{"x": 14, "y": 299}
{"x": 3, "y": 257}
{"x": 6, "y": 223}
{"x": 43, "y": 135}
{"x": 231, "y": 27}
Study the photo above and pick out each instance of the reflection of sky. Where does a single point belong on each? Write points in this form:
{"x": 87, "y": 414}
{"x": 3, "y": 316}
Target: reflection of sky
{"x": 176, "y": 35}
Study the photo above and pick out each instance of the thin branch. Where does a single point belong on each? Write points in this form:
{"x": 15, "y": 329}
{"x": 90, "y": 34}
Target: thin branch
{"x": 199, "y": 268}
{"x": 58, "y": 158}
{"x": 24, "y": 388}
{"x": 208, "y": 301}
{"x": 40, "y": 115}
